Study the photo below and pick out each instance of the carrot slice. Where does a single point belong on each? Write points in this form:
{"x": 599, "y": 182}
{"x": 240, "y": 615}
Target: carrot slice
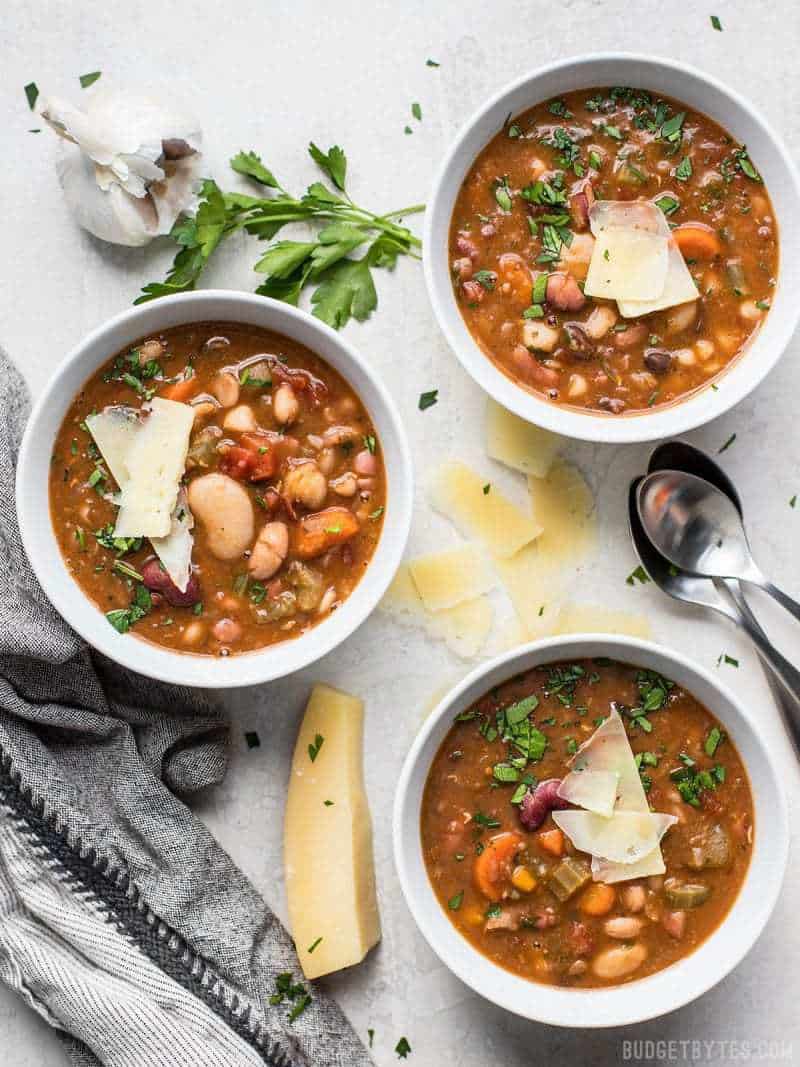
{"x": 697, "y": 241}
{"x": 492, "y": 870}
{"x": 182, "y": 390}
{"x": 598, "y": 899}
{"x": 551, "y": 841}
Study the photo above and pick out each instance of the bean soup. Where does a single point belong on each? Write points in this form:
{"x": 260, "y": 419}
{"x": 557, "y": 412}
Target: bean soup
{"x": 217, "y": 488}
{"x": 525, "y": 229}
{"x": 527, "y": 772}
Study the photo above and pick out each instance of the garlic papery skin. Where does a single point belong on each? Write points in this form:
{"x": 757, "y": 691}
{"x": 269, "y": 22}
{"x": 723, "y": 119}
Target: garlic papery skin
{"x": 132, "y": 165}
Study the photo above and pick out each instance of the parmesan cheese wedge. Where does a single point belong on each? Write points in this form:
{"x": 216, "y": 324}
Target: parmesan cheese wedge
{"x": 155, "y": 461}
{"x": 593, "y": 790}
{"x": 563, "y": 505}
{"x": 609, "y": 872}
{"x": 517, "y": 443}
{"x": 626, "y": 837}
{"x": 630, "y": 256}
{"x": 444, "y": 579}
{"x": 114, "y": 430}
{"x": 679, "y": 288}
{"x": 401, "y": 600}
{"x": 589, "y": 618}
{"x": 330, "y": 876}
{"x": 464, "y": 628}
{"x": 481, "y": 512}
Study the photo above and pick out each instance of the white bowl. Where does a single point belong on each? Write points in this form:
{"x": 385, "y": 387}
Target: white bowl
{"x": 33, "y": 506}
{"x": 699, "y": 91}
{"x": 658, "y": 993}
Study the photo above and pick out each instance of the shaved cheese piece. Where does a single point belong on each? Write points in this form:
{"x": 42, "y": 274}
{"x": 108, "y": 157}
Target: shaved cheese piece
{"x": 330, "y": 876}
{"x": 509, "y": 634}
{"x": 532, "y": 586}
{"x": 589, "y": 618}
{"x": 630, "y": 255}
{"x": 594, "y": 790}
{"x": 608, "y": 749}
{"x": 464, "y": 628}
{"x": 608, "y": 872}
{"x": 626, "y": 837}
{"x": 114, "y": 430}
{"x": 444, "y": 579}
{"x": 156, "y": 462}
{"x": 679, "y": 288}
{"x": 461, "y": 495}
{"x": 517, "y": 443}
{"x": 401, "y": 600}
{"x": 175, "y": 550}
{"x": 563, "y": 505}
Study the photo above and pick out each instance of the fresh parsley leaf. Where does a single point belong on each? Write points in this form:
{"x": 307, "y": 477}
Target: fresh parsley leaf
{"x": 89, "y": 79}
{"x": 333, "y": 162}
{"x": 683, "y": 171}
{"x": 416, "y": 111}
{"x": 283, "y": 258}
{"x": 427, "y": 400}
{"x": 729, "y": 660}
{"x": 432, "y": 63}
{"x": 454, "y": 903}
{"x": 314, "y": 944}
{"x": 315, "y": 746}
{"x": 249, "y": 164}
{"x": 727, "y": 444}
{"x": 715, "y": 22}
{"x": 638, "y": 574}
{"x": 347, "y": 290}
{"x": 486, "y": 278}
{"x": 31, "y": 94}
{"x": 402, "y": 1048}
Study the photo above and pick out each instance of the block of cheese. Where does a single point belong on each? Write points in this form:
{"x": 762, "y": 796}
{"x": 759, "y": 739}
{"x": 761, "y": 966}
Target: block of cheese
{"x": 517, "y": 443}
{"x": 113, "y": 430}
{"x": 401, "y": 600}
{"x": 156, "y": 461}
{"x": 593, "y": 790}
{"x": 563, "y": 505}
{"x": 444, "y": 579}
{"x": 590, "y": 618}
{"x": 464, "y": 628}
{"x": 480, "y": 510}
{"x": 630, "y": 255}
{"x": 330, "y": 875}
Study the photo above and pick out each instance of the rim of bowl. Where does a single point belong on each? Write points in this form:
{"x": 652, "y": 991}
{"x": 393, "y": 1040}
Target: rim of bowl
{"x": 741, "y": 376}
{"x": 32, "y": 497}
{"x": 653, "y": 995}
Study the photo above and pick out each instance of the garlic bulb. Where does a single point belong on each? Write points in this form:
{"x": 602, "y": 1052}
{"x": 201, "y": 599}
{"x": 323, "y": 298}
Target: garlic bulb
{"x": 132, "y": 166}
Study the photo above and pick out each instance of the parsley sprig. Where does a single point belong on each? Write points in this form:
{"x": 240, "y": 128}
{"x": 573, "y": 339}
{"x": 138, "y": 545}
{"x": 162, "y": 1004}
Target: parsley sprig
{"x": 344, "y": 286}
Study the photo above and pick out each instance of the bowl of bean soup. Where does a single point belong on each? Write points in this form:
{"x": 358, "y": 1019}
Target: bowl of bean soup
{"x": 214, "y": 489}
{"x": 604, "y": 245}
{"x": 589, "y": 831}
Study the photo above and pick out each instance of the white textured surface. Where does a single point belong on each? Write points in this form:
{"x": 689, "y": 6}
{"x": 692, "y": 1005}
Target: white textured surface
{"x": 271, "y": 76}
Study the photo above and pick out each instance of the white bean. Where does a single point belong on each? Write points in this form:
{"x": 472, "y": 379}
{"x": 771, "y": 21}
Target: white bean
{"x": 225, "y": 388}
{"x": 681, "y": 317}
{"x": 620, "y": 961}
{"x": 240, "y": 419}
{"x": 307, "y": 484}
{"x": 749, "y": 312}
{"x": 685, "y": 356}
{"x": 577, "y": 386}
{"x": 600, "y": 322}
{"x": 285, "y": 405}
{"x": 222, "y": 506}
{"x": 326, "y": 460}
{"x": 704, "y": 349}
{"x": 539, "y": 335}
{"x": 624, "y": 928}
{"x": 269, "y": 551}
{"x": 365, "y": 463}
{"x": 328, "y": 600}
{"x": 345, "y": 484}
{"x": 633, "y": 897}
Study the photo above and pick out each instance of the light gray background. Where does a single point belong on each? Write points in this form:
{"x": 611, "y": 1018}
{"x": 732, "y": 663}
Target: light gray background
{"x": 271, "y": 76}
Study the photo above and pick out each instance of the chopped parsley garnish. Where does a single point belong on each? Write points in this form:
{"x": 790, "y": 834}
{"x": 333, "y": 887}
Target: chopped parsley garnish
{"x": 716, "y": 23}
{"x": 612, "y": 131}
{"x": 370, "y": 1031}
{"x": 713, "y": 741}
{"x": 494, "y": 911}
{"x": 638, "y": 574}
{"x": 729, "y": 660}
{"x": 672, "y": 128}
{"x": 668, "y": 204}
{"x": 314, "y": 944}
{"x": 252, "y": 739}
{"x": 763, "y": 305}
{"x": 486, "y": 822}
{"x": 487, "y": 488}
{"x": 402, "y": 1048}
{"x": 691, "y": 782}
{"x": 428, "y": 63}
{"x": 793, "y": 501}
{"x": 376, "y": 514}
{"x": 315, "y": 746}
{"x": 562, "y": 682}
{"x": 31, "y": 94}
{"x": 427, "y": 400}
{"x": 454, "y": 903}
{"x": 486, "y": 278}
{"x": 683, "y": 171}
{"x": 369, "y": 443}
{"x": 745, "y": 166}
{"x": 502, "y": 194}
{"x": 416, "y": 111}
{"x": 123, "y": 618}
{"x": 289, "y": 990}
{"x": 89, "y": 79}
{"x": 727, "y": 444}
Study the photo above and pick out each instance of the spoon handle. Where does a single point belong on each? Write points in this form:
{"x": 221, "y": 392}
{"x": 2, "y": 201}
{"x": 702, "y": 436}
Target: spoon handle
{"x": 782, "y": 598}
{"x": 782, "y": 668}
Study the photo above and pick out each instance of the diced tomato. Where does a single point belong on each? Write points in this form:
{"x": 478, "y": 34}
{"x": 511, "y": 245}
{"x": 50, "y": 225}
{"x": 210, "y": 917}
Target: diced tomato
{"x": 238, "y": 463}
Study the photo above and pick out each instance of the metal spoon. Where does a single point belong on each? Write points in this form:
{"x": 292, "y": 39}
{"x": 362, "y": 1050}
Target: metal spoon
{"x": 699, "y": 529}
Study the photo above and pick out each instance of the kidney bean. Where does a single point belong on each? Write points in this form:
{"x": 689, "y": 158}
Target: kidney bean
{"x": 612, "y": 404}
{"x": 564, "y": 293}
{"x": 156, "y": 579}
{"x": 467, "y": 247}
{"x": 537, "y": 804}
{"x": 473, "y": 291}
{"x": 657, "y": 360}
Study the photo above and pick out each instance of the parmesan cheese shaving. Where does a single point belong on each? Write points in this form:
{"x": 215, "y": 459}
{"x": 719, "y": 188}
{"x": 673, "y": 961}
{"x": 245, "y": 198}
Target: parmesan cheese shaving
{"x": 480, "y": 510}
{"x": 630, "y": 255}
{"x": 175, "y": 550}
{"x": 517, "y": 443}
{"x": 593, "y": 790}
{"x": 114, "y": 430}
{"x": 464, "y": 628}
{"x": 563, "y": 505}
{"x": 532, "y": 586}
{"x": 444, "y": 579}
{"x": 589, "y": 618}
{"x": 626, "y": 837}
{"x": 155, "y": 462}
{"x": 679, "y": 288}
{"x": 609, "y": 872}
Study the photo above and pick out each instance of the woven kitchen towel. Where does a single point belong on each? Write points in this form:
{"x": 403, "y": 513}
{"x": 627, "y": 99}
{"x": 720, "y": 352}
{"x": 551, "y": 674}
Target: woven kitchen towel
{"x": 122, "y": 921}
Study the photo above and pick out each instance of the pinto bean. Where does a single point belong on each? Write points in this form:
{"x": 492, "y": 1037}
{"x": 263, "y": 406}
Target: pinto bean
{"x": 578, "y": 342}
{"x": 580, "y": 202}
{"x": 462, "y": 268}
{"x": 674, "y": 922}
{"x": 473, "y": 291}
{"x": 222, "y": 506}
{"x": 611, "y": 403}
{"x": 537, "y": 334}
{"x": 620, "y": 961}
{"x": 316, "y": 533}
{"x": 227, "y": 631}
{"x": 150, "y": 350}
{"x": 345, "y": 485}
{"x": 630, "y": 338}
{"x": 538, "y": 803}
{"x": 269, "y": 551}
{"x": 467, "y": 247}
{"x": 633, "y": 897}
{"x": 531, "y": 370}
{"x": 306, "y": 484}
{"x": 365, "y": 463}
{"x": 623, "y": 927}
{"x": 564, "y": 293}
{"x": 657, "y": 360}
{"x": 599, "y": 322}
